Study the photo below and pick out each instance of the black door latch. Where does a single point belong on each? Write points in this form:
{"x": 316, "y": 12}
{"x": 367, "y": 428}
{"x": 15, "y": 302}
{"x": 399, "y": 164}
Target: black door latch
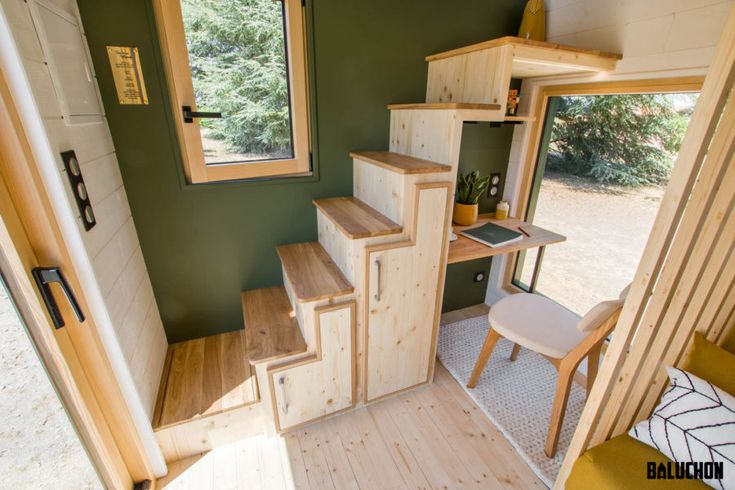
{"x": 45, "y": 276}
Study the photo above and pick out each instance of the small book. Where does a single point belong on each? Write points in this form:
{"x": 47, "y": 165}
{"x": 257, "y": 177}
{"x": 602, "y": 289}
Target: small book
{"x": 492, "y": 235}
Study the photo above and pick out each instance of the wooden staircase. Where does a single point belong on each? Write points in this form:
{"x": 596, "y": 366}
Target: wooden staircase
{"x": 357, "y": 316}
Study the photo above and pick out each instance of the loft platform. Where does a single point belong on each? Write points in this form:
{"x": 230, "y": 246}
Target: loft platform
{"x": 540, "y": 59}
{"x": 481, "y": 73}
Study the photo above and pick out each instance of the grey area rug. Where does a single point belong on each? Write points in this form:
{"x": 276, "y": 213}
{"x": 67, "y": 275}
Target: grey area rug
{"x": 516, "y": 396}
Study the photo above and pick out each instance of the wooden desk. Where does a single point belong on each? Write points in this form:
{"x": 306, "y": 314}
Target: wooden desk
{"x": 464, "y": 249}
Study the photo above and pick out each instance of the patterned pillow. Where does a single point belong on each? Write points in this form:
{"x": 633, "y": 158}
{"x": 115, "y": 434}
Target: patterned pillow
{"x": 695, "y": 422}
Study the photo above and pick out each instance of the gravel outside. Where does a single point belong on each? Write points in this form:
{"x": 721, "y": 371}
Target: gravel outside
{"x": 606, "y": 228}
{"x": 39, "y": 448}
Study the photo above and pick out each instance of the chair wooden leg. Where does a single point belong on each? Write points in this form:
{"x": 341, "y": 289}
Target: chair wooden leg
{"x": 563, "y": 385}
{"x": 516, "y": 350}
{"x": 487, "y": 348}
{"x": 593, "y": 365}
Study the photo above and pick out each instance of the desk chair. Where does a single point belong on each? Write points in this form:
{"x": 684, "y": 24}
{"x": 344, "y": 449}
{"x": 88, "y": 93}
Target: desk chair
{"x": 541, "y": 325}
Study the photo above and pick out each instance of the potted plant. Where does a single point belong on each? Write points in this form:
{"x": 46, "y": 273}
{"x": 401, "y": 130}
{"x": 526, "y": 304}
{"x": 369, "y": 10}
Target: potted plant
{"x": 470, "y": 187}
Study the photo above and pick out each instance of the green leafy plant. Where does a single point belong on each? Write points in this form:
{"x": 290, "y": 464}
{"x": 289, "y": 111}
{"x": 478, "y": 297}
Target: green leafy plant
{"x": 628, "y": 140}
{"x": 471, "y": 186}
{"x": 237, "y": 55}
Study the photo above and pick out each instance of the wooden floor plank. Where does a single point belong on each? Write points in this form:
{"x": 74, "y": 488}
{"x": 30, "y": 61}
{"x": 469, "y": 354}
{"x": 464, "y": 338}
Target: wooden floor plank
{"x": 270, "y": 460}
{"x": 431, "y": 437}
{"x": 315, "y": 461}
{"x": 510, "y": 465}
{"x": 367, "y": 451}
{"x": 337, "y": 462}
{"x": 224, "y": 459}
{"x": 434, "y": 455}
{"x": 467, "y": 442}
{"x": 294, "y": 468}
{"x": 247, "y": 465}
{"x": 464, "y": 314}
{"x": 404, "y": 459}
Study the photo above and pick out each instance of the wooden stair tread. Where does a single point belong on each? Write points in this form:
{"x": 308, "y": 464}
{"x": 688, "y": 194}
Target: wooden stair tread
{"x": 311, "y": 272}
{"x": 444, "y": 106}
{"x": 203, "y": 377}
{"x": 271, "y": 329}
{"x": 400, "y": 163}
{"x": 355, "y": 218}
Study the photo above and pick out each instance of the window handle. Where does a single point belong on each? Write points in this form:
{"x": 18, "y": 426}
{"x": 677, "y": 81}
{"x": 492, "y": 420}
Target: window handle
{"x": 45, "y": 276}
{"x": 189, "y": 116}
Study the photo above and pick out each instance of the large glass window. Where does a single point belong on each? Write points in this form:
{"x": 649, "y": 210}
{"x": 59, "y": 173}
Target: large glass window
{"x": 603, "y": 165}
{"x": 238, "y": 79}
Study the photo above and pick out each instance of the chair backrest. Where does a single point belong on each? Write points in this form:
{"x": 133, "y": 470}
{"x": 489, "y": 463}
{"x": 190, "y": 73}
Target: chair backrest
{"x": 601, "y": 312}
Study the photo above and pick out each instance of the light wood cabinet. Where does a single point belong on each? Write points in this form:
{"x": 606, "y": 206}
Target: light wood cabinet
{"x": 403, "y": 283}
{"x": 322, "y": 383}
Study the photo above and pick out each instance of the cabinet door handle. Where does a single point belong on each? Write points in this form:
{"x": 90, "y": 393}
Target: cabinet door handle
{"x": 45, "y": 276}
{"x": 377, "y": 289}
{"x": 284, "y": 402}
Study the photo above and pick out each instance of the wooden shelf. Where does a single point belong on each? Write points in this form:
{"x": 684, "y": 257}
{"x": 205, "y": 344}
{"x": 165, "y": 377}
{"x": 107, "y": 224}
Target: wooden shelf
{"x": 312, "y": 273}
{"x": 464, "y": 249}
{"x": 400, "y": 163}
{"x": 444, "y": 106}
{"x": 519, "y": 119}
{"x": 537, "y": 59}
{"x": 271, "y": 330}
{"x": 355, "y": 218}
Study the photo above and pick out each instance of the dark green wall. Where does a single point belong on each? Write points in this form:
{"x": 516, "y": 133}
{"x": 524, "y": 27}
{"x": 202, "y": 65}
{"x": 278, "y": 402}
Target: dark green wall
{"x": 204, "y": 244}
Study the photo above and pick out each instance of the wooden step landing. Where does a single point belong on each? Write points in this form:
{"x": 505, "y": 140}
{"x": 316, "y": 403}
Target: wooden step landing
{"x": 271, "y": 330}
{"x": 444, "y": 106}
{"x": 311, "y": 273}
{"x": 204, "y": 377}
{"x": 400, "y": 163}
{"x": 355, "y": 218}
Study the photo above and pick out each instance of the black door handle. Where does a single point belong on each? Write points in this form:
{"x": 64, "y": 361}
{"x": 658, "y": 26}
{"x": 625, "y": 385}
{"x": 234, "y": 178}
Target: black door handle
{"x": 189, "y": 116}
{"x": 45, "y": 276}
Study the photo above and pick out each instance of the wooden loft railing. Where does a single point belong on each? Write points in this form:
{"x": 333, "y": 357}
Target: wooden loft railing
{"x": 686, "y": 277}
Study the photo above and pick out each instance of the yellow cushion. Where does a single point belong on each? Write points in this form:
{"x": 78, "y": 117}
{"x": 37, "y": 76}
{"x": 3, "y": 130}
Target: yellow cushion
{"x": 711, "y": 363}
{"x": 620, "y": 464}
{"x": 729, "y": 342}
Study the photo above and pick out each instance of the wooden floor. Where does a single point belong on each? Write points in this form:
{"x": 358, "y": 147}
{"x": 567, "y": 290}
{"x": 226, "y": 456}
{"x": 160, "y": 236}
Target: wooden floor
{"x": 203, "y": 377}
{"x": 432, "y": 437}
{"x": 464, "y": 314}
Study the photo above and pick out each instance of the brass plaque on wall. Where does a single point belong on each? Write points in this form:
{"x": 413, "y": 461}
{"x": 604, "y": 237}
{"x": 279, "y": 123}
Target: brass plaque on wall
{"x": 126, "y": 71}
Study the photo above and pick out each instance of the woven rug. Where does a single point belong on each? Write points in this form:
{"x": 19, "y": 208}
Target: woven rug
{"x": 516, "y": 396}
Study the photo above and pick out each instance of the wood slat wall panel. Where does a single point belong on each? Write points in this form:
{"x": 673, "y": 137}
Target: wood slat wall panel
{"x": 687, "y": 268}
{"x": 112, "y": 245}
